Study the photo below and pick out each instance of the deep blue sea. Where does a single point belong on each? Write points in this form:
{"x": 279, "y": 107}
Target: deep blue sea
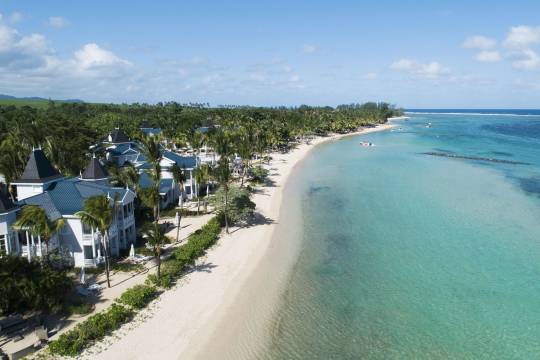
{"x": 425, "y": 246}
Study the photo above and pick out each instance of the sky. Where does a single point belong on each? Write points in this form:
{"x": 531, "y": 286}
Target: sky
{"x": 415, "y": 54}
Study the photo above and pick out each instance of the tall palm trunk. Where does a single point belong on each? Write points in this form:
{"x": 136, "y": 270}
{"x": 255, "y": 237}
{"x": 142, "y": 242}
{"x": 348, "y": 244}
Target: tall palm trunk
{"x": 226, "y": 209}
{"x": 158, "y": 255}
{"x": 207, "y": 195}
{"x": 106, "y": 251}
{"x": 178, "y": 226}
{"x": 46, "y": 241}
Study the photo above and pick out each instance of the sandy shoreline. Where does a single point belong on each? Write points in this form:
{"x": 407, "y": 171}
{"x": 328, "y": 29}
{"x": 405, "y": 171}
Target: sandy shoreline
{"x": 197, "y": 318}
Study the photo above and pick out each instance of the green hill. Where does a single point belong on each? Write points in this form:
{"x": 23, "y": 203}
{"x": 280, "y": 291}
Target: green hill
{"x": 36, "y": 102}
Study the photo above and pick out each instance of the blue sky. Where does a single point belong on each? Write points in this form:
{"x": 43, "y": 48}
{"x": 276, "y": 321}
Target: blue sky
{"x": 453, "y": 54}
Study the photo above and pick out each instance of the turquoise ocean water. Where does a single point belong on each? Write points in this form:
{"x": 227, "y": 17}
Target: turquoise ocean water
{"x": 426, "y": 246}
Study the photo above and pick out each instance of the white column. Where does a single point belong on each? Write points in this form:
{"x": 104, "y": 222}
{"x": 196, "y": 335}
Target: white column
{"x": 17, "y": 244}
{"x": 33, "y": 240}
{"x": 192, "y": 183}
{"x": 28, "y": 247}
{"x": 40, "y": 248}
{"x": 93, "y": 244}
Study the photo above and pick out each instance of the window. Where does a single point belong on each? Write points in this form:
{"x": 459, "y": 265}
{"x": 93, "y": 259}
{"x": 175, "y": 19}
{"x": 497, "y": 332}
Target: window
{"x": 88, "y": 253}
{"x": 3, "y": 240}
{"x": 86, "y": 229}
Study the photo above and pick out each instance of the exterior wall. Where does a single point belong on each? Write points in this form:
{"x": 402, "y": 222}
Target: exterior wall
{"x": 6, "y": 220}
{"x": 8, "y": 234}
{"x": 25, "y": 191}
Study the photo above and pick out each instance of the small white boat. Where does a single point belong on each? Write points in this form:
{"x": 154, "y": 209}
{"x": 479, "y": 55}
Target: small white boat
{"x": 367, "y": 144}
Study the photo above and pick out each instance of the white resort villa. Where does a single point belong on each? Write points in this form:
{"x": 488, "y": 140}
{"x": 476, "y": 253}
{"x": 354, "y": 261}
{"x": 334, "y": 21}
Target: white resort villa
{"x": 42, "y": 185}
{"x": 121, "y": 150}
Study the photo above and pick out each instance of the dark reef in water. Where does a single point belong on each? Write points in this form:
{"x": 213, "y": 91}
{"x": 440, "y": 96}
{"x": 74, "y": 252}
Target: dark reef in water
{"x": 476, "y": 158}
{"x": 502, "y": 153}
{"x": 530, "y": 185}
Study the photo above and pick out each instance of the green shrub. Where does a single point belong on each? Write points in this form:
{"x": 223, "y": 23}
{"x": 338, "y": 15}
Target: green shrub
{"x": 171, "y": 212}
{"x": 138, "y": 296}
{"x": 240, "y": 207}
{"x": 165, "y": 281}
{"x": 72, "y": 342}
{"x": 127, "y": 267}
{"x": 80, "y": 308}
{"x": 143, "y": 250}
{"x": 258, "y": 174}
{"x": 29, "y": 286}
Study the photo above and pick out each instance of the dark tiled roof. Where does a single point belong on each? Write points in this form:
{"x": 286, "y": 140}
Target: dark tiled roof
{"x": 119, "y": 136}
{"x": 38, "y": 169}
{"x": 145, "y": 125}
{"x": 94, "y": 171}
{"x": 67, "y": 197}
{"x": 45, "y": 202}
{"x": 122, "y": 149}
{"x": 5, "y": 203}
{"x": 188, "y": 162}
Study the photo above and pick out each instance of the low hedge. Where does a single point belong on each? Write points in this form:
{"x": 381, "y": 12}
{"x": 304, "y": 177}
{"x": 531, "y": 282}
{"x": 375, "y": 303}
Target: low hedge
{"x": 197, "y": 244}
{"x": 138, "y": 296}
{"x": 72, "y": 342}
{"x": 97, "y": 326}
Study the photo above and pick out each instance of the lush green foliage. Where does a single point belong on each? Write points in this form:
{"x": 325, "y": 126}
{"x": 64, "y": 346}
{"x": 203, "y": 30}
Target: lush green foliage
{"x": 258, "y": 173}
{"x": 72, "y": 342}
{"x": 196, "y": 245}
{"x": 126, "y": 267}
{"x": 240, "y": 207}
{"x": 28, "y": 286}
{"x": 80, "y": 308}
{"x": 66, "y": 130}
{"x": 138, "y": 296}
{"x": 34, "y": 219}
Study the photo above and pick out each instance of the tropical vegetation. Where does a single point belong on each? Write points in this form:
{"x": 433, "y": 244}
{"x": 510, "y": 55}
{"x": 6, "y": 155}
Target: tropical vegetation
{"x": 29, "y": 286}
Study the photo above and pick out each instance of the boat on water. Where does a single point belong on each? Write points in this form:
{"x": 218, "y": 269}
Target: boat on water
{"x": 366, "y": 144}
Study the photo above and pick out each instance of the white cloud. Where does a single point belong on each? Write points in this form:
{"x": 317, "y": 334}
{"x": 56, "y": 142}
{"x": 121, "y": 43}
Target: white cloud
{"x": 58, "y": 22}
{"x": 429, "y": 70}
{"x": 488, "y": 56}
{"x": 18, "y": 51}
{"x": 310, "y": 49}
{"x": 527, "y": 60}
{"x": 520, "y": 37}
{"x": 479, "y": 42}
{"x": 93, "y": 57}
{"x": 369, "y": 76}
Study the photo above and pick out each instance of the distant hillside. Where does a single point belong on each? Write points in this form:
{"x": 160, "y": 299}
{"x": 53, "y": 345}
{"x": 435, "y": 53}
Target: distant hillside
{"x": 33, "y": 101}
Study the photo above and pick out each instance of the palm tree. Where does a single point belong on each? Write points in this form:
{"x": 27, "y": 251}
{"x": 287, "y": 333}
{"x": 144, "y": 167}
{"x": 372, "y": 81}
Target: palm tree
{"x": 155, "y": 236}
{"x": 200, "y": 178}
{"x": 35, "y": 220}
{"x": 223, "y": 175}
{"x": 207, "y": 170}
{"x": 155, "y": 174}
{"x": 152, "y": 152}
{"x": 98, "y": 213}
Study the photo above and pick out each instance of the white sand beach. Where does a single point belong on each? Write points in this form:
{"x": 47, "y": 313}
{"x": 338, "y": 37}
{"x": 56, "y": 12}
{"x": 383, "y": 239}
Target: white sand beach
{"x": 200, "y": 316}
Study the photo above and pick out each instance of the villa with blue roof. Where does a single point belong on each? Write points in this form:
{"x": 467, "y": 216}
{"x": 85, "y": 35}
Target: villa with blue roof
{"x": 121, "y": 150}
{"x": 42, "y": 185}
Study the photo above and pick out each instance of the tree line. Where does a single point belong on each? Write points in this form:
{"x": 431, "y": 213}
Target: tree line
{"x": 66, "y": 130}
